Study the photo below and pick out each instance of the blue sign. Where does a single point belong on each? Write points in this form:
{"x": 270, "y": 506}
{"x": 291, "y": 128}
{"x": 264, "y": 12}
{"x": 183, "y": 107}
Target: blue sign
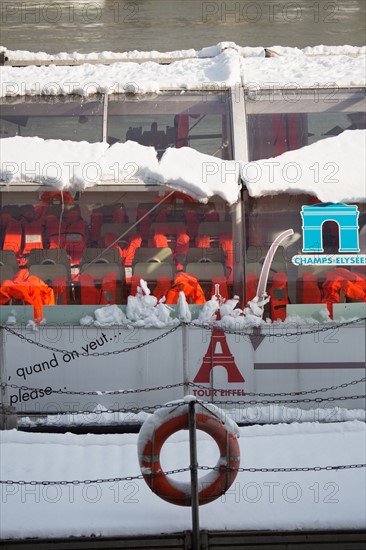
{"x": 345, "y": 216}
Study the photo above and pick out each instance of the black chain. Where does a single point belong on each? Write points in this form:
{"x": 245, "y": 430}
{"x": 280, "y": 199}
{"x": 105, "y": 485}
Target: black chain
{"x": 284, "y": 401}
{"x": 149, "y": 408}
{"x": 180, "y": 384}
{"x": 330, "y": 326}
{"x": 106, "y": 392}
{"x": 93, "y": 354}
{"x": 284, "y": 394}
{"x": 289, "y": 469}
{"x": 209, "y": 327}
{"x": 180, "y": 470}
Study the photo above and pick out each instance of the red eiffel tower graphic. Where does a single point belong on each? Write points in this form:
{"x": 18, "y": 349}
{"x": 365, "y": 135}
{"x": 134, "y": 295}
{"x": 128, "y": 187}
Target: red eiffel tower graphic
{"x": 218, "y": 355}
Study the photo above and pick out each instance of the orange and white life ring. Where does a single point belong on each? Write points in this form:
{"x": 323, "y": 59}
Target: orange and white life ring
{"x": 168, "y": 420}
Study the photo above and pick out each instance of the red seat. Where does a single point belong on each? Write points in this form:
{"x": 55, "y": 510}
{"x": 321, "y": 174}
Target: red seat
{"x": 55, "y": 231}
{"x": 75, "y": 240}
{"x": 119, "y": 215}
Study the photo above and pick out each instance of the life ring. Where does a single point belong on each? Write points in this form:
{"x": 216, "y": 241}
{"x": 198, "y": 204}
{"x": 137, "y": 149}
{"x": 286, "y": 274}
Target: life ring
{"x": 168, "y": 420}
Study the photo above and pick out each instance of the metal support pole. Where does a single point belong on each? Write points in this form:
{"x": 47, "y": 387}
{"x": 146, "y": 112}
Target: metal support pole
{"x": 4, "y": 400}
{"x": 196, "y": 544}
{"x": 8, "y": 416}
{"x": 185, "y": 359}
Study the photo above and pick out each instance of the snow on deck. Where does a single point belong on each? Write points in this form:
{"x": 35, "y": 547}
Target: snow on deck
{"x": 333, "y": 499}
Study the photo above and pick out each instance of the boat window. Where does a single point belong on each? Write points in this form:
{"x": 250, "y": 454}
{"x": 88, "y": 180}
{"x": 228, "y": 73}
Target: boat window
{"x": 93, "y": 248}
{"x": 293, "y": 278}
{"x": 197, "y": 120}
{"x": 284, "y": 120}
{"x": 53, "y": 118}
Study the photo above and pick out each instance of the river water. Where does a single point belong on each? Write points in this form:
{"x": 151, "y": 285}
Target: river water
{"x": 164, "y": 25}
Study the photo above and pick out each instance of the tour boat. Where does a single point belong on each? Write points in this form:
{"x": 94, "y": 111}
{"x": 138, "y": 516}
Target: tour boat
{"x": 182, "y": 224}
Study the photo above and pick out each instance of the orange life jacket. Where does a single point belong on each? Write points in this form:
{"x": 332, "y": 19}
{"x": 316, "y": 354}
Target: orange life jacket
{"x": 352, "y": 285}
{"x": 203, "y": 241}
{"x": 190, "y": 286}
{"x": 31, "y": 290}
{"x": 279, "y": 296}
{"x": 180, "y": 248}
{"x": 127, "y": 253}
{"x": 13, "y": 237}
{"x": 95, "y": 291}
{"x": 160, "y": 241}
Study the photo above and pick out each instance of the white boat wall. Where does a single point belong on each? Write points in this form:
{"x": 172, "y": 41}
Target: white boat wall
{"x": 140, "y": 200}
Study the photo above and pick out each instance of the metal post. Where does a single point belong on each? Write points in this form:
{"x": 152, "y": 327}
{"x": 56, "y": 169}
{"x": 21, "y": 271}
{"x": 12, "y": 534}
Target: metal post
{"x": 185, "y": 359}
{"x": 3, "y": 378}
{"x": 8, "y": 415}
{"x": 194, "y": 479}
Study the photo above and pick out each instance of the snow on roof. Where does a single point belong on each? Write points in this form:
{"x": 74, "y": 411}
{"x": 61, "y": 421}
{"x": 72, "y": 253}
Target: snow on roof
{"x": 225, "y": 64}
{"x": 304, "y": 71}
{"x": 332, "y": 169}
{"x": 65, "y": 164}
{"x": 256, "y": 501}
{"x": 199, "y": 176}
{"x": 209, "y": 51}
{"x": 108, "y": 56}
{"x": 188, "y": 74}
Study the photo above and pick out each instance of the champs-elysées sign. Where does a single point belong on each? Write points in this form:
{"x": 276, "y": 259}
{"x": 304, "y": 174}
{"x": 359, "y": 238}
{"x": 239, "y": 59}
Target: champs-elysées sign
{"x": 346, "y": 217}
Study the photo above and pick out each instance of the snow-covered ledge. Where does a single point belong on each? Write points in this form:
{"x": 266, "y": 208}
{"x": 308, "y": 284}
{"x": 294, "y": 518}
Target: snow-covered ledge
{"x": 79, "y": 165}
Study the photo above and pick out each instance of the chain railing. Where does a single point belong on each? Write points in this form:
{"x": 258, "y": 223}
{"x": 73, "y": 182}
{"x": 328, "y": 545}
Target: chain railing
{"x": 181, "y": 470}
{"x": 93, "y": 354}
{"x": 151, "y": 408}
{"x": 204, "y": 326}
{"x": 181, "y": 384}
